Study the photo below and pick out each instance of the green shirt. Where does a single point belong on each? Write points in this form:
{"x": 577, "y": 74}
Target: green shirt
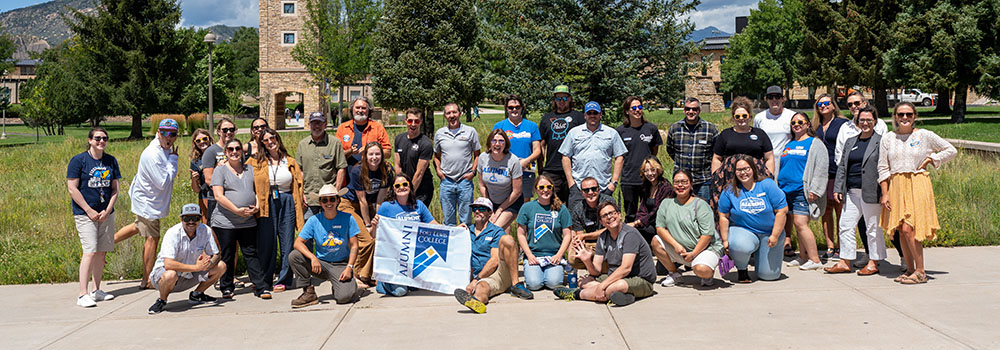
{"x": 687, "y": 223}
{"x": 320, "y": 162}
{"x": 544, "y": 227}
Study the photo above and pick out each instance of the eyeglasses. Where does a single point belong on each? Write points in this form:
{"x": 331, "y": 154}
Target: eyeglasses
{"x": 773, "y": 97}
{"x": 822, "y": 104}
{"x": 413, "y": 121}
{"x": 593, "y": 113}
{"x": 744, "y": 170}
{"x": 609, "y": 214}
{"x": 741, "y": 116}
{"x": 513, "y": 108}
{"x": 798, "y": 122}
{"x": 866, "y": 121}
{"x": 325, "y": 200}
{"x": 907, "y": 115}
{"x": 269, "y": 139}
{"x": 562, "y": 98}
{"x": 637, "y": 108}
{"x": 168, "y": 133}
{"x": 854, "y": 104}
{"x": 479, "y": 208}
{"x": 401, "y": 185}
{"x": 227, "y": 130}
{"x": 201, "y": 139}
{"x": 544, "y": 187}
{"x": 686, "y": 109}
{"x": 99, "y": 138}
{"x": 234, "y": 149}
{"x": 682, "y": 182}
{"x": 590, "y": 189}
{"x": 191, "y": 218}
{"x": 499, "y": 141}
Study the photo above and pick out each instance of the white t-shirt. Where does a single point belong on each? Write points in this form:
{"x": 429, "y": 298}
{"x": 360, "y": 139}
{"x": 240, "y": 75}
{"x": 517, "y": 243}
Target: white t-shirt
{"x": 776, "y": 127}
{"x": 281, "y": 176}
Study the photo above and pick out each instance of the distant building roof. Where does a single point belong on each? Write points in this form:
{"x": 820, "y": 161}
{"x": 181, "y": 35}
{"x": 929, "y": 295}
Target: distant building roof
{"x": 27, "y": 62}
{"x": 714, "y": 43}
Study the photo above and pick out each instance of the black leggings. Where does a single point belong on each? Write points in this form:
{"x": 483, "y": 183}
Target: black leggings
{"x": 630, "y": 198}
{"x": 247, "y": 238}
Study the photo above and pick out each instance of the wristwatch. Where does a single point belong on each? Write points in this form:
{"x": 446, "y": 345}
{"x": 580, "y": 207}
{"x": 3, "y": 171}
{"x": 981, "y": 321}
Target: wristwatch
{"x": 615, "y": 183}
{"x": 350, "y": 266}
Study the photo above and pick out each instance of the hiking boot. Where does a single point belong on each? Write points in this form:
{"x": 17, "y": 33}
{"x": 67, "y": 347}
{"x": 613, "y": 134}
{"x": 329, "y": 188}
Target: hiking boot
{"x": 520, "y": 291}
{"x": 565, "y": 293}
{"x": 621, "y": 299}
{"x": 469, "y": 301}
{"x": 157, "y": 306}
{"x": 199, "y": 297}
{"x": 308, "y": 297}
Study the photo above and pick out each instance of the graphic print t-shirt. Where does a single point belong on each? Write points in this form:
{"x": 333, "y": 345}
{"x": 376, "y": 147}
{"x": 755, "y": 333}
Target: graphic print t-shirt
{"x": 753, "y": 209}
{"x": 640, "y": 143}
{"x": 554, "y": 128}
{"x": 793, "y": 165}
{"x": 330, "y": 237}
{"x": 95, "y": 180}
{"x": 543, "y": 227}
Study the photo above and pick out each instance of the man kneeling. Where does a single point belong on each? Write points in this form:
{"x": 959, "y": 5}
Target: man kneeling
{"x": 630, "y": 263}
{"x": 333, "y": 261}
{"x": 188, "y": 258}
{"x": 494, "y": 261}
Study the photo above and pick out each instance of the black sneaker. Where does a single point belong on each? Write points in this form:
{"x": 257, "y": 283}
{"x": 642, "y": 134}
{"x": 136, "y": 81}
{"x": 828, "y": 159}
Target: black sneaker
{"x": 157, "y": 306}
{"x": 743, "y": 276}
{"x": 199, "y": 297}
{"x": 621, "y": 299}
{"x": 469, "y": 301}
{"x": 520, "y": 291}
{"x": 565, "y": 293}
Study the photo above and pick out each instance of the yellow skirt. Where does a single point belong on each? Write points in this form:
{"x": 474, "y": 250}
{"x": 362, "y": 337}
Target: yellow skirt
{"x": 912, "y": 200}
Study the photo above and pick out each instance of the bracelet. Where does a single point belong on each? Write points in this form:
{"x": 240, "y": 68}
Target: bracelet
{"x": 350, "y": 266}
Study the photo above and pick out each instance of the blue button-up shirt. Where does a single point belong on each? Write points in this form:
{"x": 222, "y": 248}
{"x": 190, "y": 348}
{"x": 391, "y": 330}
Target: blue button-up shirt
{"x": 592, "y": 152}
{"x": 482, "y": 243}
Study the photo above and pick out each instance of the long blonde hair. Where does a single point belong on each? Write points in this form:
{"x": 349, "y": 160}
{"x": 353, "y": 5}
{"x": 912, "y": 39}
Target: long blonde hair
{"x": 817, "y": 119}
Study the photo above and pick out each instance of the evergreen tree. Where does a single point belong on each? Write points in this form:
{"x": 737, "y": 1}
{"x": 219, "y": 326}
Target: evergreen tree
{"x": 764, "y": 53}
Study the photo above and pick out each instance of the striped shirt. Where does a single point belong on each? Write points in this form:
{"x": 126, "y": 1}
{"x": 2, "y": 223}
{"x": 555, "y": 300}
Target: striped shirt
{"x": 692, "y": 150}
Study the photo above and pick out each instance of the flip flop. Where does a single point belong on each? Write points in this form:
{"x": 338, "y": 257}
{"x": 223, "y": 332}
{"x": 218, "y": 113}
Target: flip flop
{"x": 900, "y": 278}
{"x": 916, "y": 278}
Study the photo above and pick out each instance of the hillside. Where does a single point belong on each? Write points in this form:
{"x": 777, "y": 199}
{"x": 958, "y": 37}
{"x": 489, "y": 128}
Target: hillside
{"x": 707, "y": 32}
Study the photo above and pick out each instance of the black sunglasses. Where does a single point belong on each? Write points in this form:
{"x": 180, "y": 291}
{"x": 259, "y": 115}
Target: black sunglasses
{"x": 590, "y": 189}
{"x": 327, "y": 199}
{"x": 191, "y": 218}
{"x": 227, "y": 130}
{"x": 692, "y": 109}
{"x": 99, "y": 138}
{"x": 234, "y": 149}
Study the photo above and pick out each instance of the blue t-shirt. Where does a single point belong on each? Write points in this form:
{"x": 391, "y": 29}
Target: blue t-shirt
{"x": 544, "y": 227}
{"x": 520, "y": 137}
{"x": 482, "y": 244}
{"x": 793, "y": 165}
{"x": 416, "y": 213}
{"x": 753, "y": 209}
{"x": 330, "y": 237}
{"x": 95, "y": 177}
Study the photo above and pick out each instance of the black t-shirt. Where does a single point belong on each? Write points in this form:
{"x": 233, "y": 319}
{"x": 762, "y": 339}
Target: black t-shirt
{"x": 854, "y": 161}
{"x": 640, "y": 143}
{"x": 374, "y": 185}
{"x": 409, "y": 152}
{"x": 829, "y": 138}
{"x": 754, "y": 143}
{"x": 554, "y": 128}
{"x": 584, "y": 217}
{"x": 213, "y": 156}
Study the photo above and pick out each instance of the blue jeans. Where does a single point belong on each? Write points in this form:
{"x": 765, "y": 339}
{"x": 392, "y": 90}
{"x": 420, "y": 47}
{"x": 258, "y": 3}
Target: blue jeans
{"x": 456, "y": 196}
{"x": 281, "y": 222}
{"x": 535, "y": 276}
{"x": 703, "y": 191}
{"x": 743, "y": 243}
{"x": 395, "y": 290}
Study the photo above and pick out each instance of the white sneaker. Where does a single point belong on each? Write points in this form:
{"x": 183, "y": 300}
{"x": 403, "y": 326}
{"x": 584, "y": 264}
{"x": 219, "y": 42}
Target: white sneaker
{"x": 671, "y": 279}
{"x": 100, "y": 295}
{"x": 85, "y": 301}
{"x": 705, "y": 282}
{"x": 810, "y": 265}
{"x": 794, "y": 263}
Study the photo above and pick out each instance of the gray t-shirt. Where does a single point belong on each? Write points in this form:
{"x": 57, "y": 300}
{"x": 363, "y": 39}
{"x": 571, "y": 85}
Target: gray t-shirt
{"x": 457, "y": 150}
{"x": 213, "y": 156}
{"x": 497, "y": 175}
{"x": 238, "y": 190}
{"x": 629, "y": 242}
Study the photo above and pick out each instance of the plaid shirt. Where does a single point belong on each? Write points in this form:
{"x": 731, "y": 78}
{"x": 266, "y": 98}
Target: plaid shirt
{"x": 692, "y": 150}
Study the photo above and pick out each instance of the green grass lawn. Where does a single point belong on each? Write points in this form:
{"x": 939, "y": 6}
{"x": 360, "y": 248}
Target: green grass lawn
{"x": 39, "y": 242}
{"x": 22, "y": 134}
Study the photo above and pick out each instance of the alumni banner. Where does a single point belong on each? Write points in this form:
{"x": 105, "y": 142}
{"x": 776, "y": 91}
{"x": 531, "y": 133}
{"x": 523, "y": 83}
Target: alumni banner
{"x": 425, "y": 256}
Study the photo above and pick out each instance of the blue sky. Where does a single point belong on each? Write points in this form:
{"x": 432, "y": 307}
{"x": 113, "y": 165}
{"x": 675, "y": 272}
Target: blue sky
{"x": 202, "y": 13}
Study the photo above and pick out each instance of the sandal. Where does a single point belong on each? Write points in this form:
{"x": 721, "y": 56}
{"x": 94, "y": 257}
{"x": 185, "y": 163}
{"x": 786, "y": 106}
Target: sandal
{"x": 916, "y": 278}
{"x": 900, "y": 278}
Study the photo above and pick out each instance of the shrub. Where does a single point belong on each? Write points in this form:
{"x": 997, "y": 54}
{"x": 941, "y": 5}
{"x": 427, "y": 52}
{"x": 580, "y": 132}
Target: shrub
{"x": 154, "y": 121}
{"x": 195, "y": 121}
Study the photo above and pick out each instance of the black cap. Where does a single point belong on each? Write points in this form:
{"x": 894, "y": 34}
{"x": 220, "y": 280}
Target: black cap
{"x": 774, "y": 90}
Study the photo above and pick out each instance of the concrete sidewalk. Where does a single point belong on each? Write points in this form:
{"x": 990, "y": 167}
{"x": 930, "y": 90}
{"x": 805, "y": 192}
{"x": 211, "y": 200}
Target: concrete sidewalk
{"x": 959, "y": 308}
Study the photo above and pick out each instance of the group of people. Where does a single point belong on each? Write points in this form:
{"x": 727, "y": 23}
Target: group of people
{"x": 546, "y": 199}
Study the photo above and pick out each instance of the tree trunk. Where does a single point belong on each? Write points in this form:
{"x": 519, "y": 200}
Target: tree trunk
{"x": 427, "y": 127}
{"x": 958, "y": 114}
{"x": 881, "y": 101}
{"x": 136, "y": 127}
{"x": 943, "y": 102}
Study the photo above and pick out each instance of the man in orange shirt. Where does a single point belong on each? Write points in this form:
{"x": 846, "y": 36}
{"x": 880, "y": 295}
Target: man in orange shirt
{"x": 353, "y": 134}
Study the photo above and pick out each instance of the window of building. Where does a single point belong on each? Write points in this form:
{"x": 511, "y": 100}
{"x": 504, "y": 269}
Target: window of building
{"x": 288, "y": 8}
{"x": 27, "y": 70}
{"x": 288, "y": 38}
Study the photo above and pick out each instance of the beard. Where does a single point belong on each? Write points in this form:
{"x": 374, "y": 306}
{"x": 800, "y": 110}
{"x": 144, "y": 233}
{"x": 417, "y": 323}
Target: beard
{"x": 360, "y": 118}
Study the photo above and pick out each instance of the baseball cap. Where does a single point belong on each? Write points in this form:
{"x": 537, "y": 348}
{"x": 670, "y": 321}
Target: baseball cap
{"x": 331, "y": 190}
{"x": 561, "y": 89}
{"x": 317, "y": 116}
{"x": 592, "y": 106}
{"x": 190, "y": 209}
{"x": 482, "y": 202}
{"x": 169, "y": 125}
{"x": 774, "y": 90}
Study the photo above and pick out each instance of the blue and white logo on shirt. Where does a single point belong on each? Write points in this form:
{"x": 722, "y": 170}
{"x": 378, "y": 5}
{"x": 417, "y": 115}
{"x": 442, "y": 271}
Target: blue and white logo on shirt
{"x": 543, "y": 225}
{"x": 431, "y": 243}
{"x": 752, "y": 205}
{"x": 100, "y": 176}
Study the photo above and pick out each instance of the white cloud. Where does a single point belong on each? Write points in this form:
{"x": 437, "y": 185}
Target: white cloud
{"x": 205, "y": 13}
{"x": 722, "y": 17}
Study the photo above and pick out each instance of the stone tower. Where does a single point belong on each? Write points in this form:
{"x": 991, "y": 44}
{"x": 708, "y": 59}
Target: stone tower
{"x": 281, "y": 23}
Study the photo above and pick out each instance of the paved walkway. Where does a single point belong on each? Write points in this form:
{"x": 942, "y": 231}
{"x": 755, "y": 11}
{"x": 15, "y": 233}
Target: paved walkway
{"x": 957, "y": 309}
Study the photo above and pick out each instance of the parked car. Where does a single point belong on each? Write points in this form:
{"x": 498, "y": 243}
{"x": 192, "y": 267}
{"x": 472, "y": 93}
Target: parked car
{"x": 914, "y": 96}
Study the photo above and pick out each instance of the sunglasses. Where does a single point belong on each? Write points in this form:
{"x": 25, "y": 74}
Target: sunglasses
{"x": 773, "y": 97}
{"x": 201, "y": 139}
{"x": 479, "y": 208}
{"x": 798, "y": 122}
{"x": 866, "y": 121}
{"x": 590, "y": 189}
{"x": 907, "y": 115}
{"x": 413, "y": 121}
{"x": 593, "y": 113}
{"x": 258, "y": 127}
{"x": 498, "y": 141}
{"x": 99, "y": 138}
{"x": 741, "y": 116}
{"x": 191, "y": 218}
{"x": 692, "y": 109}
{"x": 637, "y": 108}
{"x": 168, "y": 133}
{"x": 562, "y": 98}
{"x": 513, "y": 108}
{"x": 325, "y": 200}
{"x": 822, "y": 104}
{"x": 854, "y": 104}
{"x": 544, "y": 187}
{"x": 228, "y": 130}
{"x": 234, "y": 149}
{"x": 401, "y": 185}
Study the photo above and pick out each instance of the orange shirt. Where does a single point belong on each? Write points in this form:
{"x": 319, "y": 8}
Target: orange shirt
{"x": 374, "y": 131}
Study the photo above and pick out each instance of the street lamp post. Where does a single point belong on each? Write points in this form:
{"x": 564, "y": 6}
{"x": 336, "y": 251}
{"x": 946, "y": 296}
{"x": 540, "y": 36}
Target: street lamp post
{"x": 3, "y": 79}
{"x": 210, "y": 39}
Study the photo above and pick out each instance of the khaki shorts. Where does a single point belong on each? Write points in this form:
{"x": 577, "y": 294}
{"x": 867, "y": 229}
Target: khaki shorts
{"x": 96, "y": 237}
{"x": 499, "y": 281}
{"x": 185, "y": 281}
{"x": 637, "y": 286}
{"x": 147, "y": 227}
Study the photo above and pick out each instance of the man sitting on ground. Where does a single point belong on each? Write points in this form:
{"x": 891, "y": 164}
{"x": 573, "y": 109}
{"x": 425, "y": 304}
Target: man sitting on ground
{"x": 586, "y": 223}
{"x": 333, "y": 261}
{"x": 630, "y": 263}
{"x": 188, "y": 258}
{"x": 494, "y": 261}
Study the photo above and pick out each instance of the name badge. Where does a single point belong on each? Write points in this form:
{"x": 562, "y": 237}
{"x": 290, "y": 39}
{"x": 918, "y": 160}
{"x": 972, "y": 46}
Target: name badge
{"x": 702, "y": 142}
{"x": 753, "y": 137}
{"x": 762, "y": 194}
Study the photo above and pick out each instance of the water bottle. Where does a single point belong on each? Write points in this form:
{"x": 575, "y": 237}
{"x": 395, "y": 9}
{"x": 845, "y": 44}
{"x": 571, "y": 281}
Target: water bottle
{"x": 570, "y": 276}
